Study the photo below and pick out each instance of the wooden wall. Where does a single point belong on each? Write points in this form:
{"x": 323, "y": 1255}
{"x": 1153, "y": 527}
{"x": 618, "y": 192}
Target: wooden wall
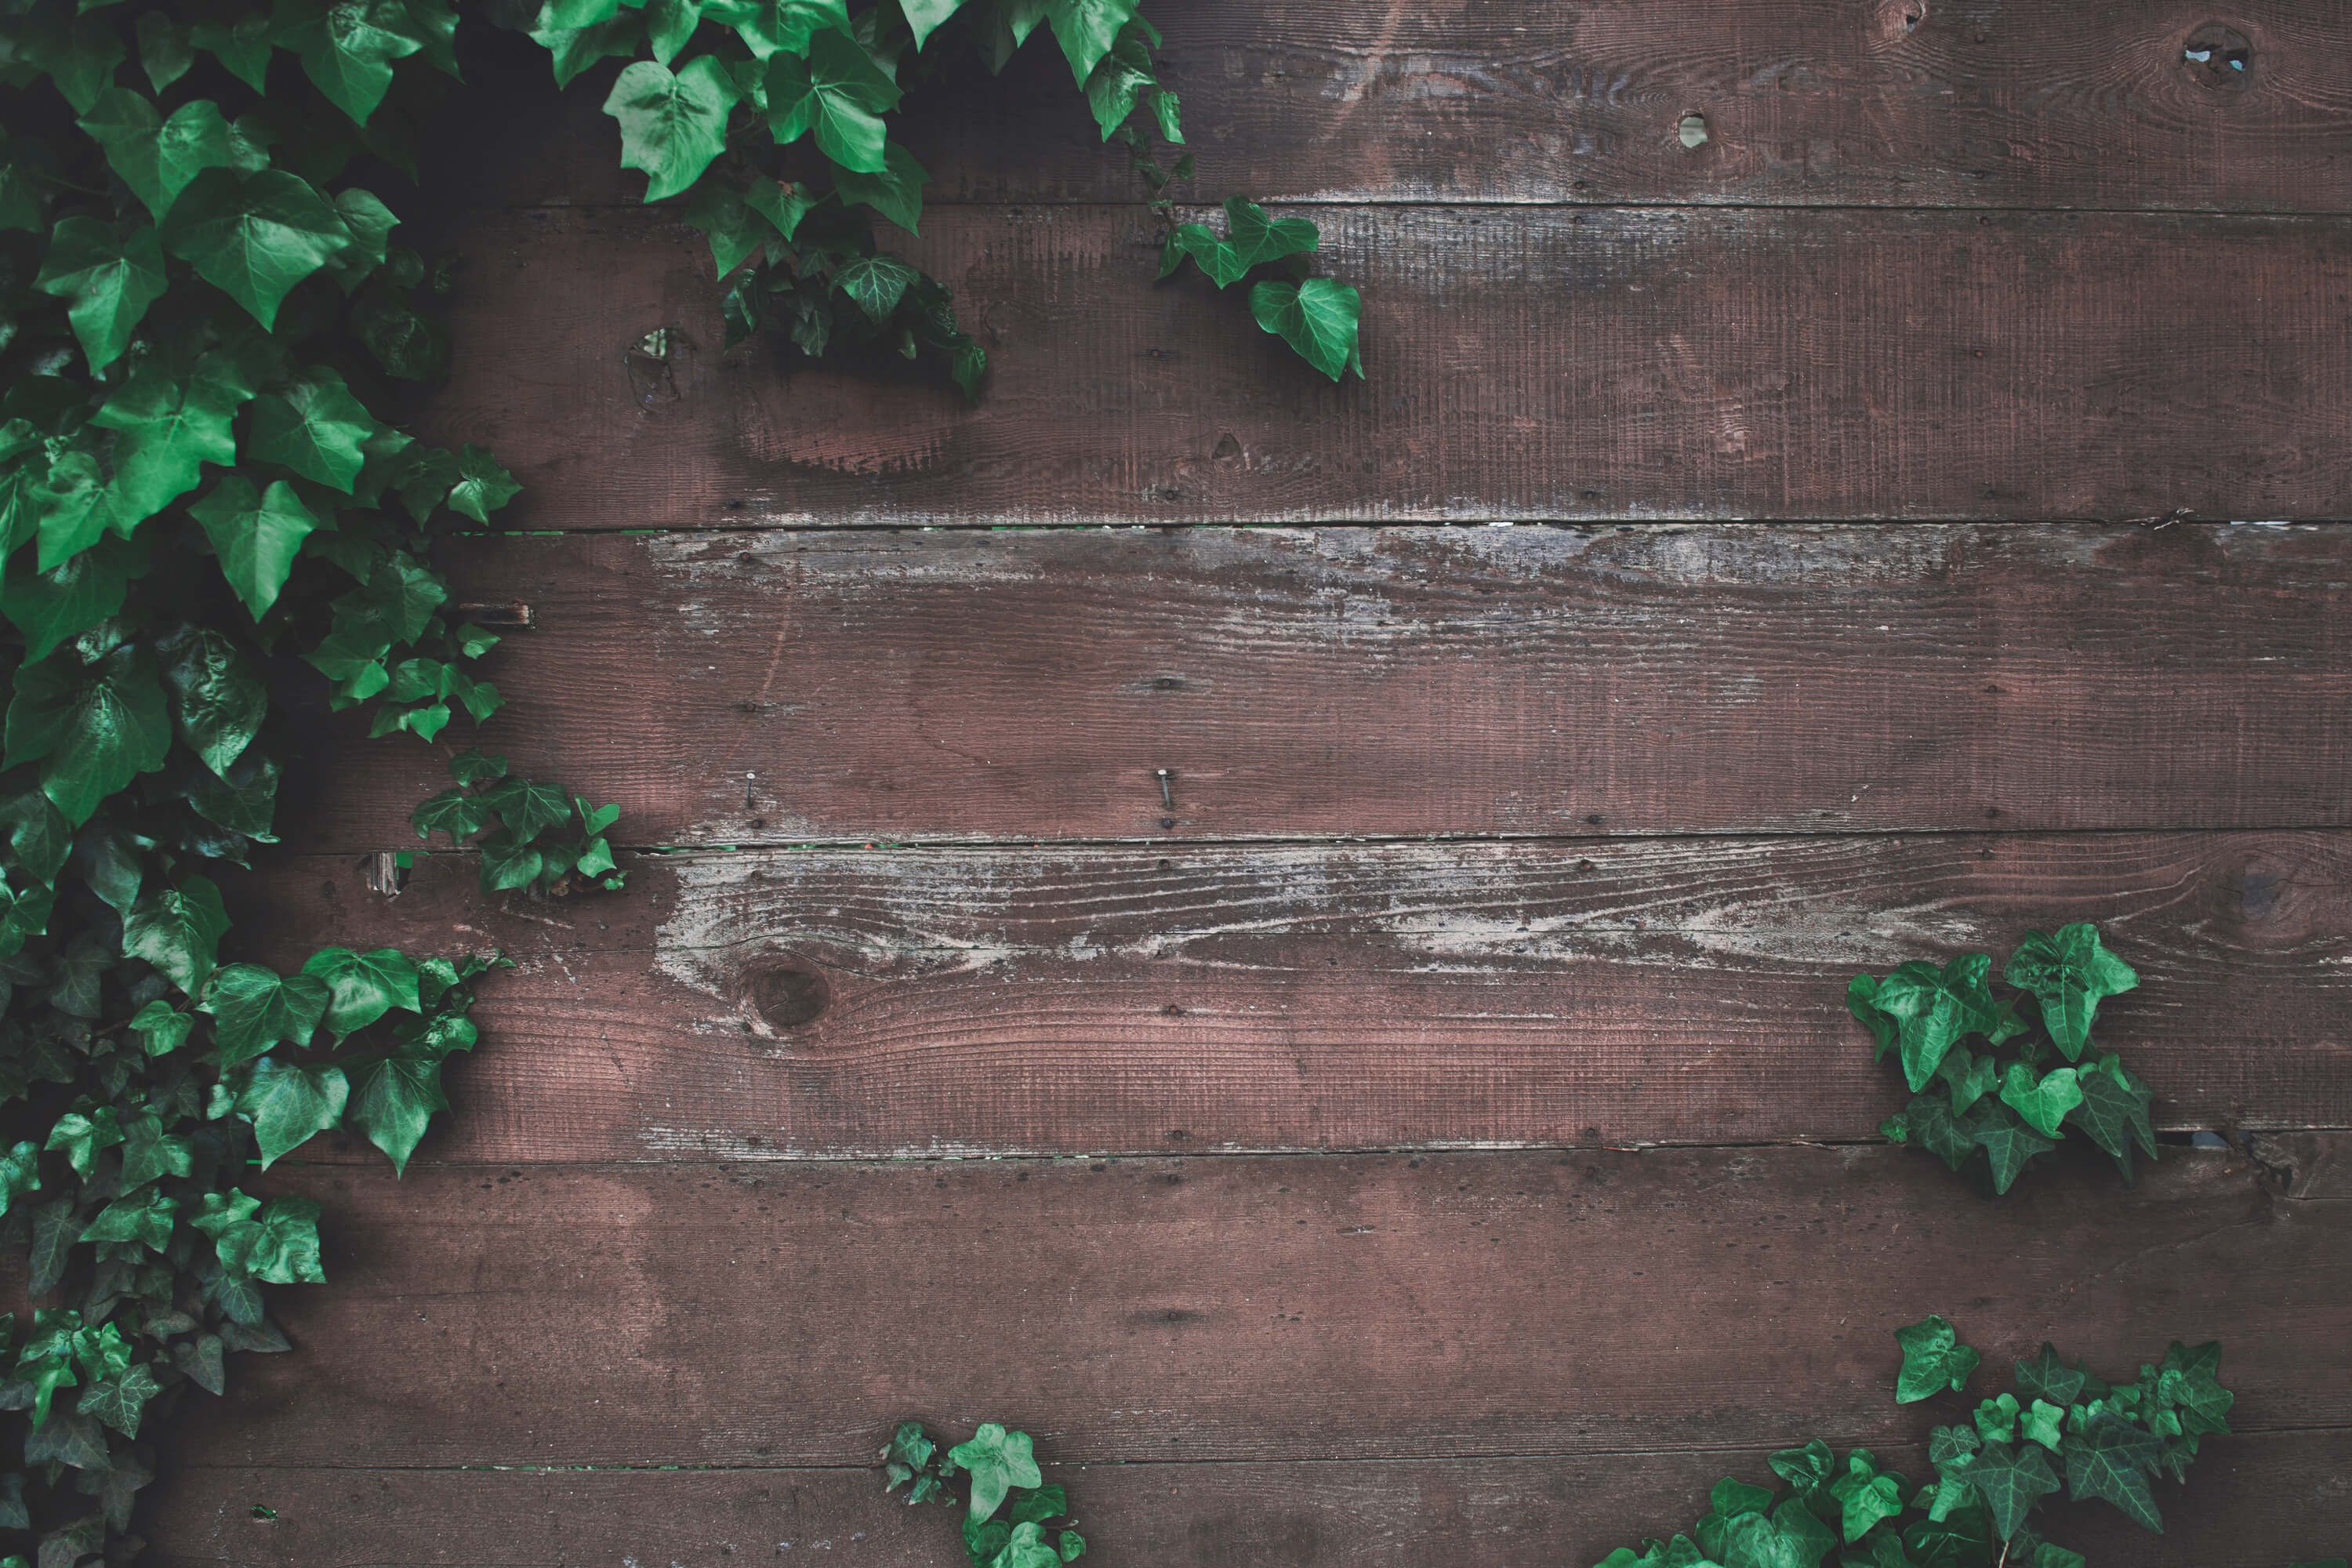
{"x": 1433, "y": 1134}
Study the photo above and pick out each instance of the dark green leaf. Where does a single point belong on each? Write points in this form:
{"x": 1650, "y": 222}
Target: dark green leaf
{"x": 158, "y": 157}
{"x": 2110, "y": 1459}
{"x": 255, "y": 236}
{"x": 315, "y": 427}
{"x": 93, "y": 729}
{"x": 347, "y": 49}
{"x": 998, "y": 1460}
{"x": 896, "y": 192}
{"x": 2011, "y": 1481}
{"x": 255, "y": 535}
{"x": 2007, "y": 1140}
{"x": 1934, "y": 1361}
{"x": 166, "y": 428}
{"x": 218, "y": 697}
{"x": 673, "y": 123}
{"x": 1317, "y": 317}
{"x": 178, "y": 930}
{"x": 256, "y": 1009}
{"x": 393, "y": 1101}
{"x": 2069, "y": 973}
{"x": 363, "y": 986}
{"x": 107, "y": 279}
{"x": 287, "y": 1104}
{"x": 839, "y": 92}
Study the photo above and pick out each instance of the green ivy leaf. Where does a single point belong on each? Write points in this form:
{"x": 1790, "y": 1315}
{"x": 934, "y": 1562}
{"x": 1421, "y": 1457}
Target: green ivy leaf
{"x": 2189, "y": 1383}
{"x": 998, "y": 1460}
{"x": 1934, "y": 1361}
{"x": 315, "y": 427}
{"x": 1936, "y": 1009}
{"x": 925, "y": 17}
{"x": 144, "y": 1217}
{"x": 393, "y": 1101}
{"x": 256, "y": 536}
{"x": 2007, "y": 1140}
{"x": 93, "y": 729}
{"x": 255, "y": 236}
{"x": 1317, "y": 317}
{"x": 2048, "y": 1377}
{"x": 876, "y": 284}
{"x": 167, "y": 429}
{"x": 1253, "y": 237}
{"x": 158, "y": 157}
{"x": 1087, "y": 29}
{"x": 118, "y": 1398}
{"x": 178, "y": 930}
{"x": 254, "y": 1009}
{"x": 276, "y": 1244}
{"x": 2044, "y": 1101}
{"x": 107, "y": 279}
{"x": 2011, "y": 1481}
{"x": 2069, "y": 973}
{"x": 20, "y": 1173}
{"x": 767, "y": 27}
{"x": 839, "y": 92}
{"x": 242, "y": 46}
{"x": 363, "y": 986}
{"x": 164, "y": 50}
{"x": 347, "y": 49}
{"x": 896, "y": 192}
{"x": 673, "y": 123}
{"x": 2110, "y": 1459}
{"x": 218, "y": 697}
{"x": 481, "y": 488}
{"x": 288, "y": 1104}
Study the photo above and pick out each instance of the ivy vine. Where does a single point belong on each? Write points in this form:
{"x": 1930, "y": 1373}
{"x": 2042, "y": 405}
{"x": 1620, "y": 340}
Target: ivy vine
{"x": 995, "y": 1470}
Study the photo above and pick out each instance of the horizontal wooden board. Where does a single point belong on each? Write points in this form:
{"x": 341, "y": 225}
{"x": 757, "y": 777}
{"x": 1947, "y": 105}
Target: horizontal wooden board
{"x": 1528, "y": 362}
{"x": 787, "y": 686}
{"x": 1832, "y": 102}
{"x": 2253, "y": 1502}
{"x": 844, "y": 1002}
{"x": 1274, "y": 1308}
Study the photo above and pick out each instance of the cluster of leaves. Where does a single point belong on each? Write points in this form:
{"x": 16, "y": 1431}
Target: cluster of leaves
{"x": 1315, "y": 316}
{"x": 547, "y": 838}
{"x": 999, "y": 1471}
{"x": 2008, "y": 1108}
{"x": 770, "y": 119}
{"x": 201, "y": 311}
{"x": 1992, "y": 1472}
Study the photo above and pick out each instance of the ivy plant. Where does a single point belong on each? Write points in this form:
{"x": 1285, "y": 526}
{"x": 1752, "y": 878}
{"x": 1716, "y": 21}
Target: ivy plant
{"x": 208, "y": 508}
{"x": 1012, "y": 1518}
{"x": 2004, "y": 1102}
{"x": 770, "y": 123}
{"x": 2058, "y": 1428}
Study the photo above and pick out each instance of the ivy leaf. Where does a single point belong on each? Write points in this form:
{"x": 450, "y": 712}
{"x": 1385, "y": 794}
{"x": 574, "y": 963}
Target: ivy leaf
{"x": 2044, "y": 1101}
{"x": 79, "y": 58}
{"x": 2114, "y": 1109}
{"x": 925, "y": 16}
{"x": 454, "y": 812}
{"x": 82, "y": 1136}
{"x": 255, "y": 236}
{"x": 1936, "y": 1009}
{"x": 2069, "y": 973}
{"x": 2011, "y": 1481}
{"x": 1121, "y": 77}
{"x": 256, "y": 537}
{"x": 2188, "y": 1382}
{"x": 163, "y": 49}
{"x": 93, "y": 729}
{"x": 167, "y": 429}
{"x": 347, "y": 49}
{"x": 393, "y": 1101}
{"x": 158, "y": 157}
{"x": 1934, "y": 1361}
{"x": 363, "y": 986}
{"x": 2048, "y": 1377}
{"x": 288, "y": 1104}
{"x": 2110, "y": 1459}
{"x": 243, "y": 47}
{"x": 669, "y": 24}
{"x": 481, "y": 487}
{"x": 20, "y": 1172}
{"x": 370, "y": 223}
{"x": 896, "y": 192}
{"x": 315, "y": 427}
{"x": 767, "y": 27}
{"x": 254, "y": 1009}
{"x": 107, "y": 280}
{"x": 74, "y": 512}
{"x": 838, "y": 92}
{"x": 877, "y": 283}
{"x": 144, "y": 1217}
{"x": 118, "y": 1397}
{"x": 276, "y": 1244}
{"x": 1087, "y": 29}
{"x": 218, "y": 697}
{"x": 673, "y": 123}
{"x": 178, "y": 930}
{"x": 2007, "y": 1140}
{"x": 998, "y": 1460}
{"x": 1317, "y": 317}
{"x": 1253, "y": 237}
{"x": 149, "y": 1153}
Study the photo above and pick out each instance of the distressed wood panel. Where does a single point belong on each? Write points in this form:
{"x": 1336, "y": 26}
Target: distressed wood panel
{"x": 820, "y": 1003}
{"x": 1315, "y": 1307}
{"x": 2254, "y": 1501}
{"x": 748, "y": 688}
{"x": 1836, "y": 102}
{"x": 1538, "y": 362}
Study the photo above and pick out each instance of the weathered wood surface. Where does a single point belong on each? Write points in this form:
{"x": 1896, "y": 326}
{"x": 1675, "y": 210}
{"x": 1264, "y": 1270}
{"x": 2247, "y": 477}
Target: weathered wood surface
{"x": 777, "y": 688}
{"x": 1831, "y": 102}
{"x": 842, "y": 1003}
{"x": 1525, "y": 363}
{"x": 2260, "y": 1501}
{"x": 1315, "y": 1307}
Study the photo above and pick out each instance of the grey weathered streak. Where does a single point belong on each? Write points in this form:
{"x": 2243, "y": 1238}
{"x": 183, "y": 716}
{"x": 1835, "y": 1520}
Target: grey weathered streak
{"x": 2042, "y": 103}
{"x": 831, "y": 1003}
{"x": 749, "y": 687}
{"x": 1327, "y": 1306}
{"x": 1525, "y": 363}
{"x": 2255, "y": 1502}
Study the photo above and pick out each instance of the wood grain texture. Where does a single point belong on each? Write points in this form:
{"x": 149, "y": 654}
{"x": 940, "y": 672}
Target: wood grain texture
{"x": 778, "y": 687}
{"x": 847, "y": 1003}
{"x": 1286, "y": 1307}
{"x": 1834, "y": 102}
{"x": 1535, "y": 363}
{"x": 2254, "y": 1501}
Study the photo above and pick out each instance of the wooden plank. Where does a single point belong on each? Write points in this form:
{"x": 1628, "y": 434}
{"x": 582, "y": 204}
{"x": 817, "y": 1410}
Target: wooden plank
{"x": 751, "y": 688}
{"x": 1534, "y": 363}
{"x": 832, "y": 1004}
{"x": 2260, "y": 1501}
{"x": 1275, "y": 1308}
{"x": 1892, "y": 102}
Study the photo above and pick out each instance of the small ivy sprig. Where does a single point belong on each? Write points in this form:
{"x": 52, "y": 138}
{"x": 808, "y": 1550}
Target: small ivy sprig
{"x": 1000, "y": 1471}
{"x": 548, "y": 841}
{"x": 2010, "y": 1108}
{"x": 1991, "y": 1473}
{"x": 1315, "y": 316}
